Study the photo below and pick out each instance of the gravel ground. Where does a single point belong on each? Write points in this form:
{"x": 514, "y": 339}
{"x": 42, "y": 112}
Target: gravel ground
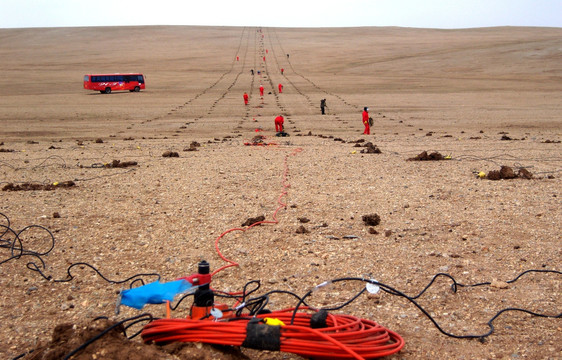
{"x": 486, "y": 98}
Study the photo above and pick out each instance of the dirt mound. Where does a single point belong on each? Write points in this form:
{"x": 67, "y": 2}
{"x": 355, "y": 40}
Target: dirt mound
{"x": 371, "y": 220}
{"x": 252, "y": 221}
{"x": 120, "y": 164}
{"x": 424, "y": 156}
{"x": 32, "y": 186}
{"x": 170, "y": 154}
{"x": 507, "y": 172}
{"x": 193, "y": 146}
{"x": 257, "y": 140}
{"x": 370, "y": 149}
{"x": 114, "y": 344}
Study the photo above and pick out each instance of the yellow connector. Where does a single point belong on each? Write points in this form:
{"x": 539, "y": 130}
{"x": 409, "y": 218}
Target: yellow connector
{"x": 273, "y": 322}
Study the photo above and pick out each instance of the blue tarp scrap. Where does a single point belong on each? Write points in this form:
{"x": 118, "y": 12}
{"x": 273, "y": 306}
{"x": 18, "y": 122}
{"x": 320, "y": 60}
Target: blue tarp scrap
{"x": 153, "y": 293}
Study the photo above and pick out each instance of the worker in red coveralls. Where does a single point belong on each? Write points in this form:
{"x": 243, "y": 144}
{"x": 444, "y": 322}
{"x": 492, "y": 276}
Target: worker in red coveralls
{"x": 261, "y": 90}
{"x": 264, "y": 58}
{"x": 366, "y": 121}
{"x": 279, "y": 123}
{"x": 246, "y": 98}
{"x": 280, "y": 88}
{"x": 282, "y": 71}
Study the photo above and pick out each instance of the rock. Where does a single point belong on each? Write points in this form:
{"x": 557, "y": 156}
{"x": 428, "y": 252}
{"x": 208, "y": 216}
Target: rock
{"x": 371, "y": 220}
{"x": 252, "y": 221}
{"x": 373, "y": 231}
{"x": 31, "y": 289}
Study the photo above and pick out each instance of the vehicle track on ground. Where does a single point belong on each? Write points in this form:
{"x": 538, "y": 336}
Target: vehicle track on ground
{"x": 275, "y": 37}
{"x": 215, "y": 92}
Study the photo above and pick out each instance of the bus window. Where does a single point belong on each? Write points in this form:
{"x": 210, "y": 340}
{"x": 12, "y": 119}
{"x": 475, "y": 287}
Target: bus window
{"x": 86, "y": 78}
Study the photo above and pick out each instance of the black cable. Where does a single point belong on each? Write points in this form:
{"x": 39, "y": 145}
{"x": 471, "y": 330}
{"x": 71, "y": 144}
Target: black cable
{"x": 17, "y": 251}
{"x": 454, "y": 287}
{"x": 137, "y": 319}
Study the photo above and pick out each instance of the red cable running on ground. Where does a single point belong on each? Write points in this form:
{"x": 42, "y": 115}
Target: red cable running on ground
{"x": 274, "y": 216}
{"x": 341, "y": 337}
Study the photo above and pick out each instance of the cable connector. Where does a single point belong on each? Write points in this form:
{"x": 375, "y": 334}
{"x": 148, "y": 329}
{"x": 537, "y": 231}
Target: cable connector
{"x": 322, "y": 285}
{"x": 273, "y": 322}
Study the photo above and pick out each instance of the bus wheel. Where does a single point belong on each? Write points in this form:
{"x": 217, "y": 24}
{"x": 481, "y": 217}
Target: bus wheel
{"x": 137, "y": 89}
{"x": 108, "y": 90}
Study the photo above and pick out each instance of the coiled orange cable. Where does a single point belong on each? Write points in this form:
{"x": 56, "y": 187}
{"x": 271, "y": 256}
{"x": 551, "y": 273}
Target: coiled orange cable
{"x": 344, "y": 337}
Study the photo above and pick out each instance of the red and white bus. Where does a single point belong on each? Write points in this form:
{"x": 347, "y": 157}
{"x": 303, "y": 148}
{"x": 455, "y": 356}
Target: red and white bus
{"x": 106, "y": 83}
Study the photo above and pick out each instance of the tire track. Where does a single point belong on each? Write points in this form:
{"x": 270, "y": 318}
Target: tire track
{"x": 217, "y": 84}
{"x": 347, "y": 103}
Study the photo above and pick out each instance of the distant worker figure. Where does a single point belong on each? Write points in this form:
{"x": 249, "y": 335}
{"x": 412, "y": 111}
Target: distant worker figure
{"x": 287, "y": 56}
{"x": 367, "y": 130}
{"x": 261, "y": 90}
{"x": 237, "y": 58}
{"x": 282, "y": 71}
{"x": 252, "y": 71}
{"x": 246, "y": 98}
{"x": 280, "y": 86}
{"x": 323, "y": 106}
{"x": 279, "y": 123}
{"x": 266, "y": 51}
{"x": 264, "y": 58}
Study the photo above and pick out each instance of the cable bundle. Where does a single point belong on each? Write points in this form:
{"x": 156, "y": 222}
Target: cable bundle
{"x": 341, "y": 336}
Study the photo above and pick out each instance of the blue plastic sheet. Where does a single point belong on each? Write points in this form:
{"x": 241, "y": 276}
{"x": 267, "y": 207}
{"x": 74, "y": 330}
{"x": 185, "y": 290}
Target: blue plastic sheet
{"x": 153, "y": 293}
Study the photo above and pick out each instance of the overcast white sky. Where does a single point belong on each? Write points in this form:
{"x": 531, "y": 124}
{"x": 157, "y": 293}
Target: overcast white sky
{"x": 282, "y": 13}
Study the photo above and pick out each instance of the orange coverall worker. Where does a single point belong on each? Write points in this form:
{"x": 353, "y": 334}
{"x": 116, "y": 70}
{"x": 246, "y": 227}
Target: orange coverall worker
{"x": 279, "y": 123}
{"x": 261, "y": 90}
{"x": 246, "y": 97}
{"x": 367, "y": 130}
{"x": 280, "y": 88}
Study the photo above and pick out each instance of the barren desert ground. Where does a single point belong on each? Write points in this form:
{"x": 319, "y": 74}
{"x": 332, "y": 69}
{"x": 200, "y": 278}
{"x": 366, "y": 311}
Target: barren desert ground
{"x": 486, "y": 98}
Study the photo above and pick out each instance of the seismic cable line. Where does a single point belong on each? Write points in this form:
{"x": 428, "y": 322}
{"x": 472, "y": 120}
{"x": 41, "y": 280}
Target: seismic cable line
{"x": 15, "y": 242}
{"x": 353, "y": 106}
{"x": 319, "y": 335}
{"x": 297, "y": 89}
{"x": 280, "y": 203}
{"x": 243, "y": 35}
